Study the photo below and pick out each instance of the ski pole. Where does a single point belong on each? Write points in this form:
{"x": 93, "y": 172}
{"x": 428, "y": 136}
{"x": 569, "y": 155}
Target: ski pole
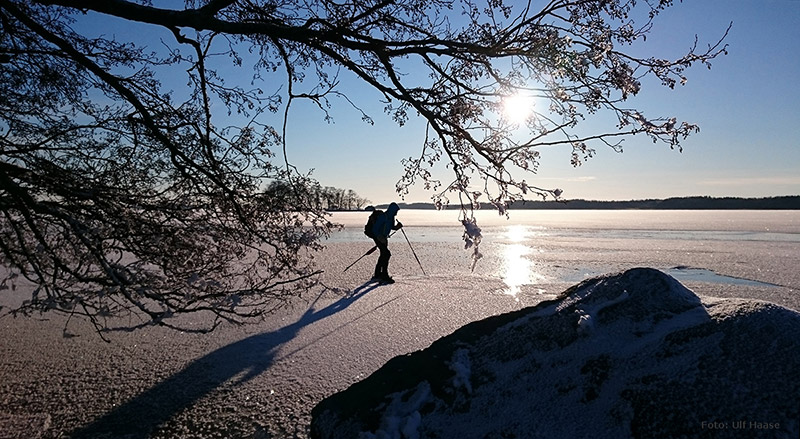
{"x": 369, "y": 252}
{"x": 413, "y": 252}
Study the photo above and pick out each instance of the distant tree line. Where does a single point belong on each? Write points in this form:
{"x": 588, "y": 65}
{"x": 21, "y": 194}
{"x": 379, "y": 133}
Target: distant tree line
{"x": 679, "y": 203}
{"x": 327, "y": 198}
{"x": 333, "y": 198}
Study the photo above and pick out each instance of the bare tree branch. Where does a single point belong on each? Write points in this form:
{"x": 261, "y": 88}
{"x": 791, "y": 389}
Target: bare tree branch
{"x": 124, "y": 197}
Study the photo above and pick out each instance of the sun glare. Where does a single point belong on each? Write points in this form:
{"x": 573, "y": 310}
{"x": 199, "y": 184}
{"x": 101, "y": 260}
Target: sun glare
{"x": 517, "y": 107}
{"x": 519, "y": 268}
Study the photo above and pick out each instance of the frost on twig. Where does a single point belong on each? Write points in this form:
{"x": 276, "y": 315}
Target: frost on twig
{"x": 472, "y": 239}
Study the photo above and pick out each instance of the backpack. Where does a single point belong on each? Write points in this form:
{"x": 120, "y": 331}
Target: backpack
{"x": 371, "y": 222}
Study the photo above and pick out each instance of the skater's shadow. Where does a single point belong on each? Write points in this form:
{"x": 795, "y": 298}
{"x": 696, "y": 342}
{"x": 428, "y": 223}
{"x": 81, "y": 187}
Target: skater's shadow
{"x": 242, "y": 361}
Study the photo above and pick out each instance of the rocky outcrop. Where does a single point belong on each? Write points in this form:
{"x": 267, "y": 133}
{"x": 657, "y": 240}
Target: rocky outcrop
{"x": 634, "y": 354}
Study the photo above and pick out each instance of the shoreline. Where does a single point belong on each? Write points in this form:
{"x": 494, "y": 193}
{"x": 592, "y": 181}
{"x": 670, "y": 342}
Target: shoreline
{"x": 780, "y": 202}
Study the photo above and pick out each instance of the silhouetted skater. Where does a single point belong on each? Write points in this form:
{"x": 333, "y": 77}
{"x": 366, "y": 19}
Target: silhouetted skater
{"x": 383, "y": 225}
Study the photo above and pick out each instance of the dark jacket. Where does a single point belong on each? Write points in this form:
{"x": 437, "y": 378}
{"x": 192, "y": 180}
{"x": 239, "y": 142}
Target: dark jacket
{"x": 384, "y": 224}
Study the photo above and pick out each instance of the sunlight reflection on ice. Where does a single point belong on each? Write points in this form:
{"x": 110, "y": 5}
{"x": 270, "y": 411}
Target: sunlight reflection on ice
{"x": 518, "y": 268}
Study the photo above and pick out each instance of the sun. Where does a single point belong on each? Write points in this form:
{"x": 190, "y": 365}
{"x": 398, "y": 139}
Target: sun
{"x": 517, "y": 107}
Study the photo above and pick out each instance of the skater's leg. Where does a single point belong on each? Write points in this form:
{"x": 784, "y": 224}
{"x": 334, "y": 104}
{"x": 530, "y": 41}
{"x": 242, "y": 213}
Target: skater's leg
{"x": 382, "y": 267}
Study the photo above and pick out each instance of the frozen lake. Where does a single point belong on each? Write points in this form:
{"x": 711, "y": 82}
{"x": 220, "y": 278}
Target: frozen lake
{"x": 262, "y": 380}
{"x": 736, "y": 224}
{"x": 535, "y": 252}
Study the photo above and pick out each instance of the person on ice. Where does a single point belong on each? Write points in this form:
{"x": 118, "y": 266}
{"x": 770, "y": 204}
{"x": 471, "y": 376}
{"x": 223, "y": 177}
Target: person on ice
{"x": 384, "y": 224}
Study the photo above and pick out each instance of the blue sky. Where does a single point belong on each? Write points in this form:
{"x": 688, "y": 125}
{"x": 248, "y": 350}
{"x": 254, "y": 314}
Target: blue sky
{"x": 747, "y": 106}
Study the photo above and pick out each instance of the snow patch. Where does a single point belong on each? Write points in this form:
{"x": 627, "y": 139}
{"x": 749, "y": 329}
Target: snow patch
{"x": 575, "y": 297}
{"x": 460, "y": 364}
{"x": 586, "y": 315}
{"x": 585, "y": 322}
{"x": 401, "y": 419}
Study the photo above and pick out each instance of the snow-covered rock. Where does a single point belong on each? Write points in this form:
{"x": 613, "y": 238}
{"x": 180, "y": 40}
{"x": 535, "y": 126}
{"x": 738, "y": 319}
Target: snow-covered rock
{"x": 634, "y": 354}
